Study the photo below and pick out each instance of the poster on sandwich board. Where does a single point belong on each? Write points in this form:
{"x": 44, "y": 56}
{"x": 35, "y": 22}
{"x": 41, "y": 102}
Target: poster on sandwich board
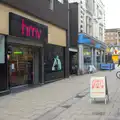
{"x": 98, "y": 87}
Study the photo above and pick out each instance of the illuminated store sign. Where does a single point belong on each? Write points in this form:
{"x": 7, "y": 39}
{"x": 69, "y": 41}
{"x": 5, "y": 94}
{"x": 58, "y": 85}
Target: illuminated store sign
{"x": 23, "y": 27}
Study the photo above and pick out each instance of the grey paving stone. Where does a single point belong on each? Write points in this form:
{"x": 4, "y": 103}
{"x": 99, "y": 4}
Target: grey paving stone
{"x": 24, "y": 119}
{"x": 9, "y": 117}
{"x": 37, "y": 102}
{"x": 51, "y": 114}
{"x": 109, "y": 118}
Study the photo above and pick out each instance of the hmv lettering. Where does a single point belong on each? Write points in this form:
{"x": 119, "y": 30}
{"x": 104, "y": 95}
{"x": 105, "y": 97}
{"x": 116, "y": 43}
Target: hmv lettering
{"x": 20, "y": 26}
{"x": 29, "y": 30}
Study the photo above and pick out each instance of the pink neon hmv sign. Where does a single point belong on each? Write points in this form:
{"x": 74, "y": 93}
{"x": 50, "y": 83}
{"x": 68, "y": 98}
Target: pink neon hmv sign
{"x": 23, "y": 27}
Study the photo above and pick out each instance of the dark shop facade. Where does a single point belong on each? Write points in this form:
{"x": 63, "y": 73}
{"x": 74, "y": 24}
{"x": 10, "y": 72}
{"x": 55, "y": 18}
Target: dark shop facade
{"x": 32, "y": 50}
{"x": 73, "y": 45}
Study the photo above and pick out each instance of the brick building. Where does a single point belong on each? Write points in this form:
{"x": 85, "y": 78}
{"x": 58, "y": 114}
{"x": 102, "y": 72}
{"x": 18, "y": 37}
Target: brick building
{"x": 112, "y": 36}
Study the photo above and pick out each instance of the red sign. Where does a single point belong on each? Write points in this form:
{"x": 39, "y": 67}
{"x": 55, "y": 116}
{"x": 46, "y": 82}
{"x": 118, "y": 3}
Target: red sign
{"x": 97, "y": 87}
{"x": 97, "y": 84}
{"x": 22, "y": 27}
{"x": 29, "y": 30}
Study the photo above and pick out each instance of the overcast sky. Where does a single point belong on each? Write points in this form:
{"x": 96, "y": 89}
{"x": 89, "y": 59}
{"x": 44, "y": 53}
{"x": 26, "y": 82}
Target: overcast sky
{"x": 112, "y": 8}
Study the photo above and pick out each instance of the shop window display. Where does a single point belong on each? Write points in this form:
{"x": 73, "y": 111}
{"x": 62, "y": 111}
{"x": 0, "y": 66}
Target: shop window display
{"x": 98, "y": 59}
{"x": 87, "y": 56}
{"x": 54, "y": 59}
{"x": 20, "y": 65}
{"x": 98, "y": 56}
{"x": 73, "y": 63}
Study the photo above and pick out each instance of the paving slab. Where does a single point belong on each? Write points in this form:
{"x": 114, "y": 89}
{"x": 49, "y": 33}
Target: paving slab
{"x": 67, "y": 99}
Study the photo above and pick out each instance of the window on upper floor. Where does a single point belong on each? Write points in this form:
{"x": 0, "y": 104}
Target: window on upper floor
{"x": 51, "y": 4}
{"x": 88, "y": 25}
{"x": 87, "y": 4}
{"x": 100, "y": 33}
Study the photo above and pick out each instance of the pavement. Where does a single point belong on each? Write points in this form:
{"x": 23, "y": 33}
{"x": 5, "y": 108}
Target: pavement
{"x": 67, "y": 99}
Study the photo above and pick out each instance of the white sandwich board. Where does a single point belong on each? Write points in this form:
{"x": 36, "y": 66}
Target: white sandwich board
{"x": 98, "y": 88}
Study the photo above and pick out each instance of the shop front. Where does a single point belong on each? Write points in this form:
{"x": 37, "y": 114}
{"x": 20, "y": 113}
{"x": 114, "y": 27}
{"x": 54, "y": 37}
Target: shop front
{"x": 87, "y": 52}
{"x": 21, "y": 52}
{"x": 23, "y": 64}
{"x": 54, "y": 62}
{"x": 55, "y": 55}
{"x": 73, "y": 61}
{"x": 25, "y": 42}
{"x": 91, "y": 52}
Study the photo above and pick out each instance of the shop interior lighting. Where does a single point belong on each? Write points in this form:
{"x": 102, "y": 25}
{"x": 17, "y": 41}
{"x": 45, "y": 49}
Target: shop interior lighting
{"x": 18, "y": 52}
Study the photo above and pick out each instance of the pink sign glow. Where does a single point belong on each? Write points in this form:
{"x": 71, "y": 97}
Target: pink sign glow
{"x": 30, "y": 31}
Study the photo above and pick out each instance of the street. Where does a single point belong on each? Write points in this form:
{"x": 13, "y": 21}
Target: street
{"x": 55, "y": 55}
{"x": 67, "y": 99}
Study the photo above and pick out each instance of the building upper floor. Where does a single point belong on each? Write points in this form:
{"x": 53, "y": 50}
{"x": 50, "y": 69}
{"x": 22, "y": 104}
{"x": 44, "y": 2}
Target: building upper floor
{"x": 98, "y": 8}
{"x": 53, "y": 11}
{"x": 112, "y": 36}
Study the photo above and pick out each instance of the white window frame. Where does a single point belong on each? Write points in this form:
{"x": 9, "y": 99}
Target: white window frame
{"x": 88, "y": 25}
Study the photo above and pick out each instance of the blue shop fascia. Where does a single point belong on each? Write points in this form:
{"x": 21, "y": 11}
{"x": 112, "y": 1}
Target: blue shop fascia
{"x": 91, "y": 51}
{"x": 91, "y": 42}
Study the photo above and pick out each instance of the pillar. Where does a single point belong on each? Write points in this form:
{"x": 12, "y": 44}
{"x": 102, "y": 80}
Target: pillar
{"x": 92, "y": 56}
{"x": 95, "y": 57}
{"x": 101, "y": 54}
{"x": 104, "y": 57}
{"x": 81, "y": 58}
{"x": 36, "y": 66}
{"x": 41, "y": 66}
{"x": 66, "y": 62}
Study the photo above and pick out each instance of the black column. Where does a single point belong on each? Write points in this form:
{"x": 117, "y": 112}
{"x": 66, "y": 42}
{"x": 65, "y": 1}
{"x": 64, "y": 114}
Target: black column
{"x": 41, "y": 64}
{"x": 3, "y": 71}
{"x": 67, "y": 56}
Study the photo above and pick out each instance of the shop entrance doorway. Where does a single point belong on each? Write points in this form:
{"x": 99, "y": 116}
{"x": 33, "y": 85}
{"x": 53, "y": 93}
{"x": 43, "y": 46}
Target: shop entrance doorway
{"x": 20, "y": 65}
{"x": 73, "y": 64}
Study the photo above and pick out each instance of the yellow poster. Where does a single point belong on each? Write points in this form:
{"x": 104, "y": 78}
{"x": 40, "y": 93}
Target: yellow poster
{"x": 115, "y": 58}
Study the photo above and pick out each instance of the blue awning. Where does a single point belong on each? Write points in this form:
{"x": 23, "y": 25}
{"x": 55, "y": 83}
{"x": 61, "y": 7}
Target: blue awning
{"x": 98, "y": 45}
{"x": 82, "y": 39}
